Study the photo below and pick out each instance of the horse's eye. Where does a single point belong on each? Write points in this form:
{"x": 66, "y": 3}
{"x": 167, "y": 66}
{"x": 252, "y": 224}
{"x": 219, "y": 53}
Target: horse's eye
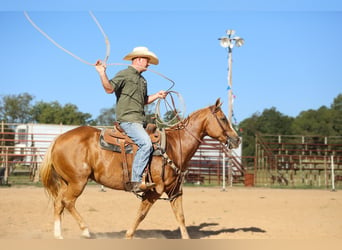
{"x": 224, "y": 119}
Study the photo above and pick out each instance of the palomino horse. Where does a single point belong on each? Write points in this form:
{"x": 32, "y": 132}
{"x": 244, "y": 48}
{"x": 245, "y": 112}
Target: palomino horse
{"x": 75, "y": 156}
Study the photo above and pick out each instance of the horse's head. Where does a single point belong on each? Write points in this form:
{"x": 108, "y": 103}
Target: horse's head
{"x": 220, "y": 128}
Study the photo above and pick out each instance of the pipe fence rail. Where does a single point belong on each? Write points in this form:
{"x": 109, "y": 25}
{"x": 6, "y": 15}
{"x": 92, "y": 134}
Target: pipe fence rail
{"x": 299, "y": 161}
{"x": 279, "y": 160}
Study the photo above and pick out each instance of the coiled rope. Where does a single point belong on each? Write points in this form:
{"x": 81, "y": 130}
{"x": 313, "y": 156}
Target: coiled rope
{"x": 168, "y": 106}
{"x": 177, "y": 114}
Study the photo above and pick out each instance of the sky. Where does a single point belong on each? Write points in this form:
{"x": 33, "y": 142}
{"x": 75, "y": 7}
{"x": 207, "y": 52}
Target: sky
{"x": 291, "y": 59}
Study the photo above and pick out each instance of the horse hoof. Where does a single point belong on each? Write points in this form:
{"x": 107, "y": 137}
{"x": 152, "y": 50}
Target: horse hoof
{"x": 86, "y": 233}
{"x": 128, "y": 236}
{"x": 59, "y": 237}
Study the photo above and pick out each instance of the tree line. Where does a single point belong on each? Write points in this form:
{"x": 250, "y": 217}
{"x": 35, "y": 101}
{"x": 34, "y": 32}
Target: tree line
{"x": 325, "y": 121}
{"x": 20, "y": 109}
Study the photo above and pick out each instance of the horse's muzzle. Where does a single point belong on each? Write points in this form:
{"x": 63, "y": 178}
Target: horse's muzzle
{"x": 233, "y": 142}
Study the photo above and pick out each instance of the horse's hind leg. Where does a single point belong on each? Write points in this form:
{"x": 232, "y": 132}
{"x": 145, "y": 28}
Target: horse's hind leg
{"x": 145, "y": 205}
{"x": 73, "y": 192}
{"x": 66, "y": 199}
{"x": 177, "y": 207}
{"x": 58, "y": 210}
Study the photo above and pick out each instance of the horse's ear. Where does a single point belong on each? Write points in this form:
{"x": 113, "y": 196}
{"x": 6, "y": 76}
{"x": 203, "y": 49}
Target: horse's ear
{"x": 217, "y": 105}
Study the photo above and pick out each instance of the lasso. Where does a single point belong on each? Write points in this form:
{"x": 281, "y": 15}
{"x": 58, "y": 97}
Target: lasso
{"x": 170, "y": 93}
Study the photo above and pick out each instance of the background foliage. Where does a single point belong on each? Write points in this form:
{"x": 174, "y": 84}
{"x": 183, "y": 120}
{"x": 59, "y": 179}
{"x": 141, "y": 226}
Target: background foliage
{"x": 326, "y": 121}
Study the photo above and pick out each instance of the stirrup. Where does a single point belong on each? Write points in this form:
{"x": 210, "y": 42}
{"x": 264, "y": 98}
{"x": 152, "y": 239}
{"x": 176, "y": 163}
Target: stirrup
{"x": 138, "y": 187}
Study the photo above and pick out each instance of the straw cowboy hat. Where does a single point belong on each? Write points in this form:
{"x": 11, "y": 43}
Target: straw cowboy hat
{"x": 142, "y": 52}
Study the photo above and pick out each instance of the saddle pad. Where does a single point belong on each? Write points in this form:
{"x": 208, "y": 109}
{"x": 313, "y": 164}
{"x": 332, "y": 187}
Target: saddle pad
{"x": 113, "y": 147}
{"x": 128, "y": 148}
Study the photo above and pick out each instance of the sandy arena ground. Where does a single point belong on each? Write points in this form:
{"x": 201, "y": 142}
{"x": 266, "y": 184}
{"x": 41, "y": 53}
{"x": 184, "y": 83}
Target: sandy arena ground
{"x": 238, "y": 213}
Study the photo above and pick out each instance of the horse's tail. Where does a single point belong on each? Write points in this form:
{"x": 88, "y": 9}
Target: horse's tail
{"x": 48, "y": 175}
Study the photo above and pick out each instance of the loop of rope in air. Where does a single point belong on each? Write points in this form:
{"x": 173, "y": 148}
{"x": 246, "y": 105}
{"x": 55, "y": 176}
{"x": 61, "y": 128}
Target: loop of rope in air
{"x": 55, "y": 43}
{"x": 159, "y": 120}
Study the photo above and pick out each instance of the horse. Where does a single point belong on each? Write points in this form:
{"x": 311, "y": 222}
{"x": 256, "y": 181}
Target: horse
{"x": 75, "y": 157}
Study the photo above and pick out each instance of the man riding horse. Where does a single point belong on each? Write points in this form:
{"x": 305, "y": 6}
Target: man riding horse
{"x": 130, "y": 88}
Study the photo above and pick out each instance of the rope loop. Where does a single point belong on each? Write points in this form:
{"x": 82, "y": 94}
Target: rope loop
{"x": 170, "y": 108}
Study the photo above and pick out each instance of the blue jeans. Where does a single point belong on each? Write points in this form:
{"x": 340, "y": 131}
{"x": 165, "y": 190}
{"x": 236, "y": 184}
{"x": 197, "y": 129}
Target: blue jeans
{"x": 138, "y": 134}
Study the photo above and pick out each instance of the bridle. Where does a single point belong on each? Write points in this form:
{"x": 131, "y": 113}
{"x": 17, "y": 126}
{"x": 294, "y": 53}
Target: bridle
{"x": 179, "y": 172}
{"x": 229, "y": 138}
{"x": 182, "y": 125}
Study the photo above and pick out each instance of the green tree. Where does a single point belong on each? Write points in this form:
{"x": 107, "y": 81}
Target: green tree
{"x": 270, "y": 121}
{"x": 43, "y": 112}
{"x": 248, "y": 130}
{"x": 324, "y": 121}
{"x": 336, "y": 109}
{"x": 150, "y": 113}
{"x": 314, "y": 122}
{"x": 54, "y": 113}
{"x": 106, "y": 117}
{"x": 16, "y": 108}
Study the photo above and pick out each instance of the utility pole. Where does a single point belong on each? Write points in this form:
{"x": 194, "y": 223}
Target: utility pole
{"x": 228, "y": 42}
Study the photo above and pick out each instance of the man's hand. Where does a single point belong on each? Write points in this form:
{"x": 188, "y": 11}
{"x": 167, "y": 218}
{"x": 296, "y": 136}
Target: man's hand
{"x": 159, "y": 95}
{"x": 162, "y": 94}
{"x": 100, "y": 67}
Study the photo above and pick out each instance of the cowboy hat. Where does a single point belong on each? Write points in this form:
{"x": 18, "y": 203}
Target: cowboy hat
{"x": 142, "y": 52}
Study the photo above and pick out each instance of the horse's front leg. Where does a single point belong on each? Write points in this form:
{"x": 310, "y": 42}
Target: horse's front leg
{"x": 145, "y": 205}
{"x": 177, "y": 207}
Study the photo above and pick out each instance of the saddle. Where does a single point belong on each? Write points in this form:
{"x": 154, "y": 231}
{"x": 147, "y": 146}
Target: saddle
{"x": 116, "y": 140}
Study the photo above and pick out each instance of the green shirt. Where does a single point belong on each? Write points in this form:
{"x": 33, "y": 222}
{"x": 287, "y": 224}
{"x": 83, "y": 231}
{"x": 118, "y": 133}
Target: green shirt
{"x": 131, "y": 94}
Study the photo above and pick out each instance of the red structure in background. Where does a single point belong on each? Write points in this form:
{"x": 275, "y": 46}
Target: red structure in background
{"x": 294, "y": 161}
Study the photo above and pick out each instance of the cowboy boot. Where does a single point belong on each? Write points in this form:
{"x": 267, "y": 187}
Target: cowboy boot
{"x": 138, "y": 187}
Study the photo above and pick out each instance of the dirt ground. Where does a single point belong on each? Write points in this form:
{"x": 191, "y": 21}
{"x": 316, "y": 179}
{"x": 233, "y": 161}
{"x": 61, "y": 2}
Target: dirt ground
{"x": 237, "y": 213}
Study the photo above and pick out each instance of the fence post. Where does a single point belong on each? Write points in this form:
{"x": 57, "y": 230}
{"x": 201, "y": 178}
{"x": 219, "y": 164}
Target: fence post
{"x": 6, "y": 166}
{"x": 332, "y": 174}
{"x": 223, "y": 171}
{"x": 3, "y": 143}
{"x": 230, "y": 170}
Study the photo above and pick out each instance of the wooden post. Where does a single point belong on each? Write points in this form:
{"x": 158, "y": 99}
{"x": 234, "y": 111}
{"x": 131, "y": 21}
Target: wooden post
{"x": 6, "y": 167}
{"x": 332, "y": 174}
{"x": 325, "y": 172}
{"x": 223, "y": 171}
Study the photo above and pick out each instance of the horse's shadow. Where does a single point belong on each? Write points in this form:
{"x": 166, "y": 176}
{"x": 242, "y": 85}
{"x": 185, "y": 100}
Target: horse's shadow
{"x": 195, "y": 232}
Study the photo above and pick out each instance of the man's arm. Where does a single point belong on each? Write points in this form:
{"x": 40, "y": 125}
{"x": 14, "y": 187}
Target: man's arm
{"x": 151, "y": 98}
{"x": 101, "y": 69}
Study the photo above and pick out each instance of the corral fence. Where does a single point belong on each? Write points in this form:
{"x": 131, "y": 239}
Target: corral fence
{"x": 214, "y": 164}
{"x": 22, "y": 149}
{"x": 280, "y": 160}
{"x": 299, "y": 161}
{"x": 23, "y": 146}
